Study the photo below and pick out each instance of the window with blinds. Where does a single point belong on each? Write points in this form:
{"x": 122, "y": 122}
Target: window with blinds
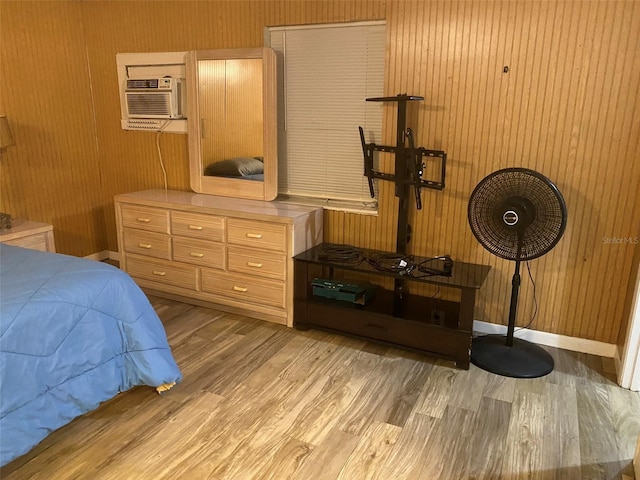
{"x": 326, "y": 73}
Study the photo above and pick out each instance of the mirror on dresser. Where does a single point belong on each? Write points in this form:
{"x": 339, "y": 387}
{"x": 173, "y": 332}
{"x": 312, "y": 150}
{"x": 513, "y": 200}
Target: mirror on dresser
{"x": 232, "y": 122}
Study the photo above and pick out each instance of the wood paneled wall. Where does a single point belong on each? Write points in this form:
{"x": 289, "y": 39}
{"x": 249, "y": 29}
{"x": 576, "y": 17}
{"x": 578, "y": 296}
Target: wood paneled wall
{"x": 52, "y": 173}
{"x": 565, "y": 107}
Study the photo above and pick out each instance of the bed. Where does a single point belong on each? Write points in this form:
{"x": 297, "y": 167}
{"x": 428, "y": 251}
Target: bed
{"x": 73, "y": 334}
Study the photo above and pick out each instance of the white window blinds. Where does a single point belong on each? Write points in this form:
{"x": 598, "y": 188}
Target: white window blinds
{"x": 326, "y": 74}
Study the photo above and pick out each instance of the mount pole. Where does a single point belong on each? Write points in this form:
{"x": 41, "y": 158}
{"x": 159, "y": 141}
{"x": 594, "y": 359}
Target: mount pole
{"x": 402, "y": 192}
{"x": 402, "y": 188}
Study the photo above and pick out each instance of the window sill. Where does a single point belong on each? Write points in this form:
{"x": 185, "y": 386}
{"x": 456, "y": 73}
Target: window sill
{"x": 338, "y": 205}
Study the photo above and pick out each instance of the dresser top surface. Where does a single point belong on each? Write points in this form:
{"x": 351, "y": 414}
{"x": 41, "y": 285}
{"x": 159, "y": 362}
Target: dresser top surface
{"x": 217, "y": 205}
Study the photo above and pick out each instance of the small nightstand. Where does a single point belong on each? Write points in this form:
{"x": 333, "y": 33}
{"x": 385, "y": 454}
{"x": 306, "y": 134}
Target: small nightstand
{"x": 34, "y": 235}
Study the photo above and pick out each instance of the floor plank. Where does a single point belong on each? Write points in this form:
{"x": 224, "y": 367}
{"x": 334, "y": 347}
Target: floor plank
{"x": 372, "y": 450}
{"x": 561, "y": 438}
{"x": 449, "y": 446}
{"x": 327, "y": 459}
{"x": 412, "y": 441}
{"x": 525, "y": 438}
{"x": 489, "y": 438}
{"x": 599, "y": 454}
{"x": 437, "y": 391}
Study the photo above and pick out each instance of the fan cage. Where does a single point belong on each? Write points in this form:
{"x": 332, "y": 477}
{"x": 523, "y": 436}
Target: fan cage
{"x": 501, "y": 189}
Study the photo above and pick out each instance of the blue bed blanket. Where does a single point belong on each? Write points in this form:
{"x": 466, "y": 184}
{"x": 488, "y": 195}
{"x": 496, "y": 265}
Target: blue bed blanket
{"x": 73, "y": 333}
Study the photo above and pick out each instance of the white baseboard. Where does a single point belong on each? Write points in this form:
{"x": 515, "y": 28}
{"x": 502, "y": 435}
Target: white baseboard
{"x": 552, "y": 339}
{"x": 114, "y": 256}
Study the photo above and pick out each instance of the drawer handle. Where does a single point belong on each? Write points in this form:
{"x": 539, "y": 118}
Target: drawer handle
{"x": 240, "y": 289}
{"x": 144, "y": 245}
{"x": 159, "y": 273}
{"x": 254, "y": 264}
{"x": 196, "y": 227}
{"x": 196, "y": 254}
{"x": 254, "y": 235}
{"x": 143, "y": 220}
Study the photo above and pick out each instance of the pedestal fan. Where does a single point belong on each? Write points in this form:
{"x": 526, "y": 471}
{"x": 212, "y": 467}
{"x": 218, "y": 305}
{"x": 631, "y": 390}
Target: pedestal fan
{"x": 517, "y": 214}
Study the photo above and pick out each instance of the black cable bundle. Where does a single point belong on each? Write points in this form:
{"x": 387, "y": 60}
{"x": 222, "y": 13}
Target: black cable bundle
{"x": 424, "y": 268}
{"x": 395, "y": 263}
{"x": 392, "y": 262}
{"x": 342, "y": 254}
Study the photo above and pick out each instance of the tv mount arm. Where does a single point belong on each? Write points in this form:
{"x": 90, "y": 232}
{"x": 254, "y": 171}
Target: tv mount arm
{"x": 411, "y": 175}
{"x": 409, "y": 170}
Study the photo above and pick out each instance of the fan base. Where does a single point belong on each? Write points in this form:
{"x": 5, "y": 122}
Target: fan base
{"x": 522, "y": 360}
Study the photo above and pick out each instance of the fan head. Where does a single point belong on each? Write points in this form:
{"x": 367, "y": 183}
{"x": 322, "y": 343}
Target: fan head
{"x": 517, "y": 214}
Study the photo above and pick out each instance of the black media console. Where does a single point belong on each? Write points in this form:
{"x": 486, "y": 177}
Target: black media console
{"x": 429, "y": 325}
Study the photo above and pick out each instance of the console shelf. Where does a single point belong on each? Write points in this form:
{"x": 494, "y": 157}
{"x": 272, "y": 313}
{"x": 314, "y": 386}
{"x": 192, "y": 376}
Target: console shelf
{"x": 413, "y": 326}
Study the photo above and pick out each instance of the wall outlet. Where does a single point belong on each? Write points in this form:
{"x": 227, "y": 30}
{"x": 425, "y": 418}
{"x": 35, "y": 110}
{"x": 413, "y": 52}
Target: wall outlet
{"x": 437, "y": 316}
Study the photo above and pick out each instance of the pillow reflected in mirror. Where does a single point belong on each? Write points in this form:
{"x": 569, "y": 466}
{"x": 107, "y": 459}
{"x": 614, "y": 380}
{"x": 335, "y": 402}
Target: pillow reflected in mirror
{"x": 244, "y": 167}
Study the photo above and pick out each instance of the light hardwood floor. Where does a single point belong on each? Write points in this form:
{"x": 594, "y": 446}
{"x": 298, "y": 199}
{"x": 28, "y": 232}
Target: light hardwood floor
{"x": 262, "y": 401}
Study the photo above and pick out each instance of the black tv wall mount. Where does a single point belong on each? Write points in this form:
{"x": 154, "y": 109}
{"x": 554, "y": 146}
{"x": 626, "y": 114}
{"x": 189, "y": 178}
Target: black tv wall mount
{"x": 409, "y": 166}
{"x": 408, "y": 174}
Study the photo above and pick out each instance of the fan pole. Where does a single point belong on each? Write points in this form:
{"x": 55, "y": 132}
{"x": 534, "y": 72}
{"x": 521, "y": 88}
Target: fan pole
{"x": 511, "y": 357}
{"x": 515, "y": 288}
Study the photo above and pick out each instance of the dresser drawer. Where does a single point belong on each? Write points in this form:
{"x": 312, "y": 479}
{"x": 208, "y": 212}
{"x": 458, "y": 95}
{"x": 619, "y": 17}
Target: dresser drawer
{"x": 257, "y": 262}
{"x": 239, "y": 287}
{"x": 197, "y": 225}
{"x": 198, "y": 252}
{"x": 183, "y": 276}
{"x": 250, "y": 233}
{"x": 145, "y": 218}
{"x": 147, "y": 243}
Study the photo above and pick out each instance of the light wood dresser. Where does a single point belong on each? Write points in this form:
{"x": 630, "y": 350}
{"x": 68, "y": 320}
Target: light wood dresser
{"x": 231, "y": 254}
{"x": 33, "y": 235}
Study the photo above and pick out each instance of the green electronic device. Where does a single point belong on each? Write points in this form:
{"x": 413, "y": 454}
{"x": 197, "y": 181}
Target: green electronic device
{"x": 358, "y": 294}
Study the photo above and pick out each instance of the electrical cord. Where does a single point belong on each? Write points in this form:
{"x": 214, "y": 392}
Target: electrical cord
{"x": 535, "y": 305}
{"x": 535, "y": 301}
{"x": 158, "y": 134}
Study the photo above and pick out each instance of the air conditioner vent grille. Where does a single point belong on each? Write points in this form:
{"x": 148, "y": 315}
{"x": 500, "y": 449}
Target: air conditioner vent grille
{"x": 145, "y": 104}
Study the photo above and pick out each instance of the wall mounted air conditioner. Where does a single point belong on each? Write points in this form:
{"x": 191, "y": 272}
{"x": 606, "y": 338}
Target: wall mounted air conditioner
{"x": 152, "y": 91}
{"x": 154, "y": 98}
